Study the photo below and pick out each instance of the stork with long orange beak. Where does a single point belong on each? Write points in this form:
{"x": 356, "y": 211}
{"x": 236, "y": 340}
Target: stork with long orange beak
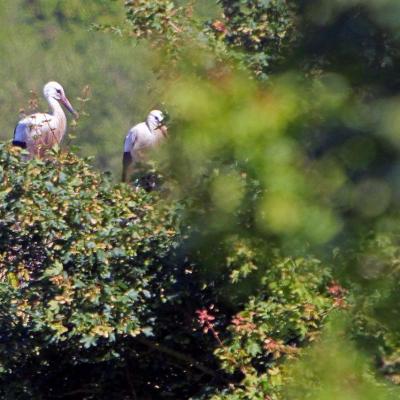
{"x": 141, "y": 137}
{"x": 41, "y": 131}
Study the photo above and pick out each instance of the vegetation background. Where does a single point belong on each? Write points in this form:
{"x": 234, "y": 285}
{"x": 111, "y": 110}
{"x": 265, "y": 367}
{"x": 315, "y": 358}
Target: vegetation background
{"x": 266, "y": 265}
{"x": 53, "y": 40}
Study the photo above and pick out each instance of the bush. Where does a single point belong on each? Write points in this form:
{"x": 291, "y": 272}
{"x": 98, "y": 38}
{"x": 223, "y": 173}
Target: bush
{"x": 112, "y": 292}
{"x": 77, "y": 257}
{"x": 100, "y": 285}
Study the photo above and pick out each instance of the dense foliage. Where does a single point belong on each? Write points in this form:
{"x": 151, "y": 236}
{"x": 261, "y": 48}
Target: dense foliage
{"x": 103, "y": 290}
{"x": 77, "y": 261}
{"x": 97, "y": 276}
{"x": 254, "y": 33}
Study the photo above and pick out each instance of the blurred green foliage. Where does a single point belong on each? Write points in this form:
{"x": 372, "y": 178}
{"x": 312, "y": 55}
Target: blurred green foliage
{"x": 306, "y": 163}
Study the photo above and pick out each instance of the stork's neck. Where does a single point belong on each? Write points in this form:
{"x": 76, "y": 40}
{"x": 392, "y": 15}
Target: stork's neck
{"x": 56, "y": 109}
{"x": 59, "y": 115}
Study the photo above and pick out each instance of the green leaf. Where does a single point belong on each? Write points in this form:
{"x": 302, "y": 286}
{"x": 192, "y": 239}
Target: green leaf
{"x": 54, "y": 270}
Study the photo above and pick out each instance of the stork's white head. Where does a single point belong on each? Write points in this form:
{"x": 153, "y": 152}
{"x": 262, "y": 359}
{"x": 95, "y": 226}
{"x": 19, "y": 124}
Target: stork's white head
{"x": 56, "y": 91}
{"x": 155, "y": 119}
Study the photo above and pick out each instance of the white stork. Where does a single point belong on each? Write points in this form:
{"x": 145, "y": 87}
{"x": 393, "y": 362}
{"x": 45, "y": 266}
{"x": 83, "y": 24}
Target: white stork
{"x": 140, "y": 137}
{"x": 40, "y": 132}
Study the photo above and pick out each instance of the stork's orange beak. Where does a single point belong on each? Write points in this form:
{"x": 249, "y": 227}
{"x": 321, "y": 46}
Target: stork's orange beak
{"x": 68, "y": 106}
{"x": 164, "y": 130}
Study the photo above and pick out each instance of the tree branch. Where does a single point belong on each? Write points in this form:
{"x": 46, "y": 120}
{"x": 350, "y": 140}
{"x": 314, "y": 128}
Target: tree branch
{"x": 130, "y": 382}
{"x": 176, "y": 354}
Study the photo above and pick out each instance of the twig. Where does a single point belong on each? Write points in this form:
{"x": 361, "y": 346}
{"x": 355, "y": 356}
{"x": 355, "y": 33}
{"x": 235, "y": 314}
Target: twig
{"x": 75, "y": 392}
{"x": 176, "y": 28}
{"x": 130, "y": 382}
{"x": 176, "y": 354}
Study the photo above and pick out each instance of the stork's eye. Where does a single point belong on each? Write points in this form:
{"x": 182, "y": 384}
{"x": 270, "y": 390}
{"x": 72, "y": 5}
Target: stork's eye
{"x": 58, "y": 91}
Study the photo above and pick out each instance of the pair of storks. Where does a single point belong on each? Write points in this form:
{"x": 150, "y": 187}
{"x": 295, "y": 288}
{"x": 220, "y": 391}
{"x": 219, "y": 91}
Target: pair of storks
{"x": 40, "y": 132}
